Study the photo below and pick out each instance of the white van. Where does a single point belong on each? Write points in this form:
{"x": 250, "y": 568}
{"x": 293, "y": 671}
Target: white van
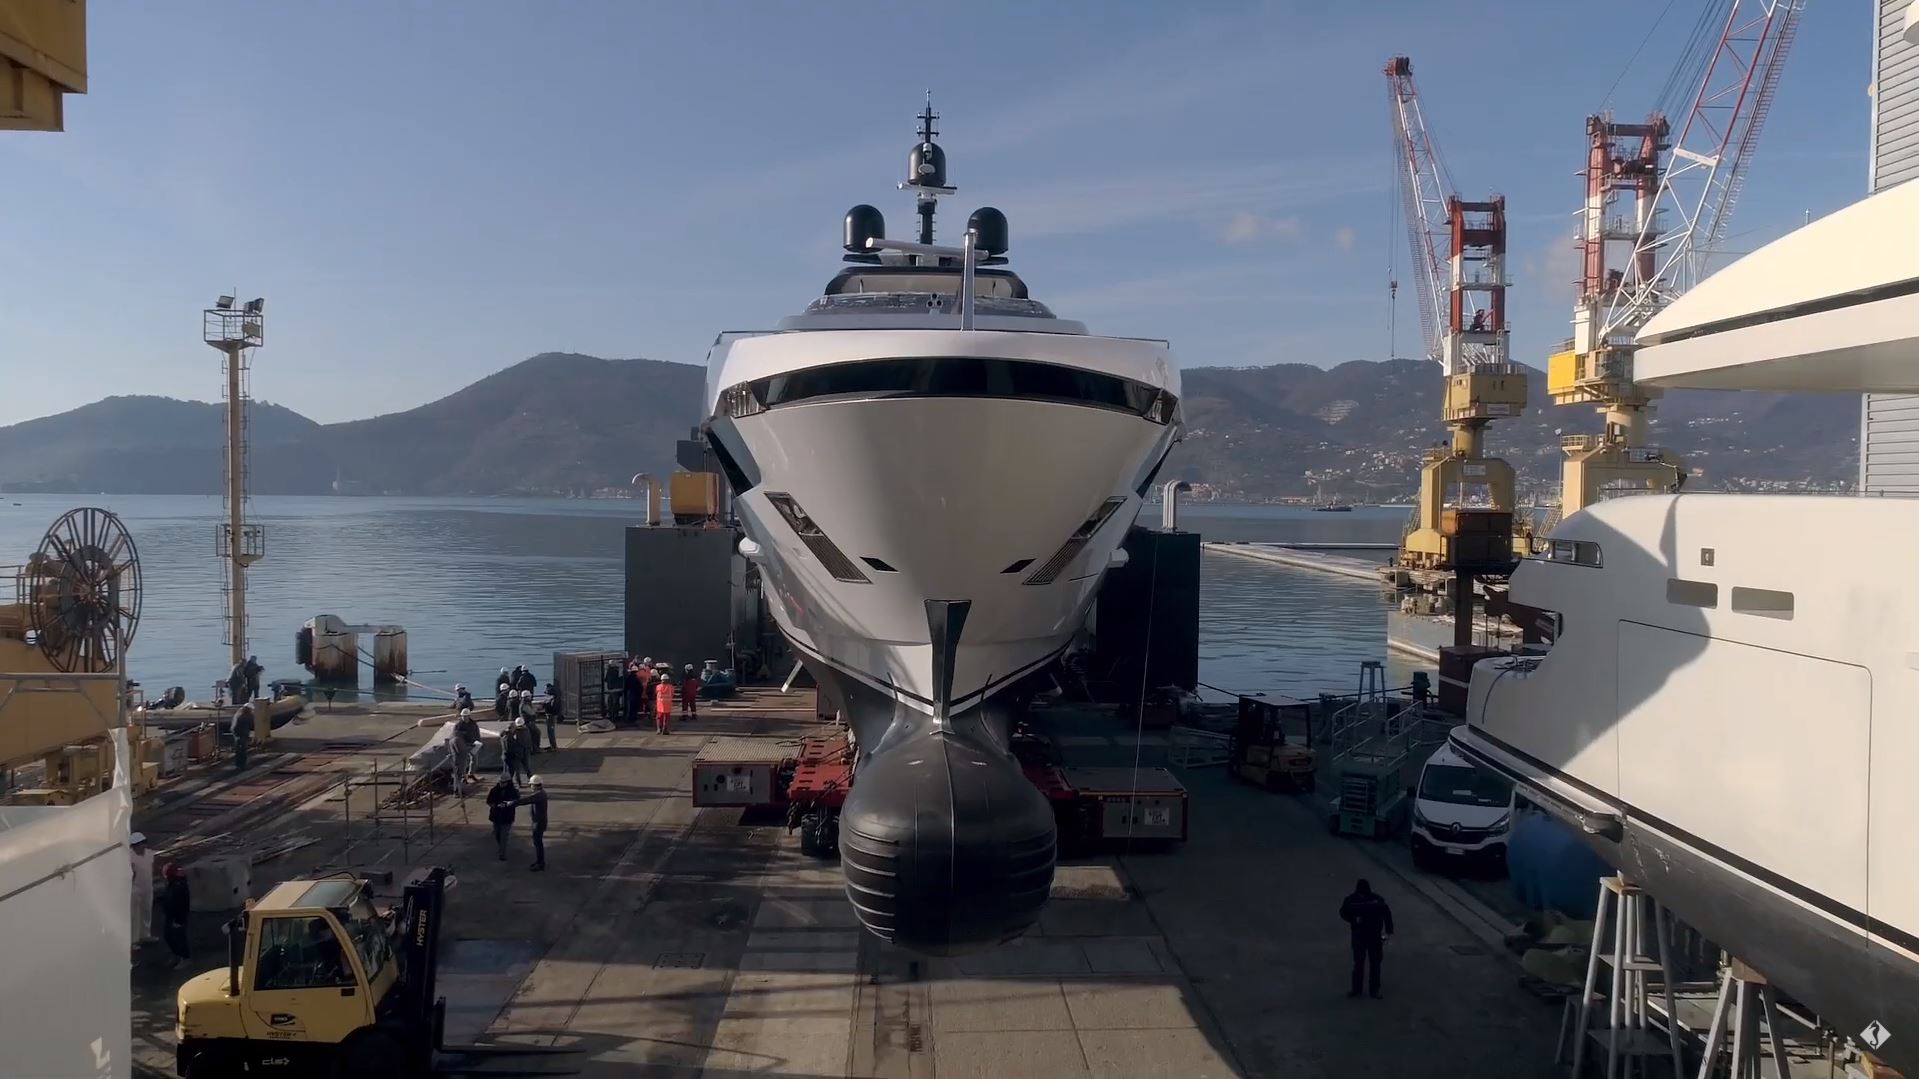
{"x": 1459, "y": 811}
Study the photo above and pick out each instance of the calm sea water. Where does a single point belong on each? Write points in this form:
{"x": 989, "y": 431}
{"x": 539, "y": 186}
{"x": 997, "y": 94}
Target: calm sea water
{"x": 485, "y": 583}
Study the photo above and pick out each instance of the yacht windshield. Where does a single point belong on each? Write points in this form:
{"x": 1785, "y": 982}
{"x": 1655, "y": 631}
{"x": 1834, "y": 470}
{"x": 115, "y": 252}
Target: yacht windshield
{"x": 1459, "y": 785}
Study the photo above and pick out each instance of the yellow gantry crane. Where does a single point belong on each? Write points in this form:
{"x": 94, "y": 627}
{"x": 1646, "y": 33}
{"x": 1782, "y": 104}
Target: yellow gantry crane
{"x": 1464, "y": 521}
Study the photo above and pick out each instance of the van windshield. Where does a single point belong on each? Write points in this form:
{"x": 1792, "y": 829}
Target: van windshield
{"x": 1460, "y": 785}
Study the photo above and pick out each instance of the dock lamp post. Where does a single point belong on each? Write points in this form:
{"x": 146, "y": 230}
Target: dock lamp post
{"x": 235, "y": 331}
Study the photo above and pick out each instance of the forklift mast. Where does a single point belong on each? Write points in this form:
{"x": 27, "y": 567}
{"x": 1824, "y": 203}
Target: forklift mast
{"x": 422, "y": 904}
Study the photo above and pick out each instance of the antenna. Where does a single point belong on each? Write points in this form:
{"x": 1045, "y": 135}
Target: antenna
{"x": 926, "y": 171}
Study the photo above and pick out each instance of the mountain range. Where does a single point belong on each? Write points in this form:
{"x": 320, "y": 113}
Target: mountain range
{"x": 564, "y": 423}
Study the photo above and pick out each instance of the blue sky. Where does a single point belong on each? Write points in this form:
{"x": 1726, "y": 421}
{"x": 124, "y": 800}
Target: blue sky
{"x": 428, "y": 192}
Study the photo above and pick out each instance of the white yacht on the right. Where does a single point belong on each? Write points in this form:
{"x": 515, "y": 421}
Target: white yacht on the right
{"x": 1730, "y": 707}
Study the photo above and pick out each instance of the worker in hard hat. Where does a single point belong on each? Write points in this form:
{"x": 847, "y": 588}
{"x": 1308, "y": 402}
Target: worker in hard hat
{"x": 466, "y": 746}
{"x": 513, "y": 750}
{"x": 500, "y": 803}
{"x": 532, "y": 720}
{"x": 537, "y": 802}
{"x": 663, "y": 705}
{"x": 690, "y": 686}
{"x": 462, "y": 699}
{"x": 501, "y": 688}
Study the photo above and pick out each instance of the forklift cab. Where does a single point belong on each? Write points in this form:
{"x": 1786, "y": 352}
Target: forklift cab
{"x": 1261, "y": 754}
{"x": 310, "y": 970}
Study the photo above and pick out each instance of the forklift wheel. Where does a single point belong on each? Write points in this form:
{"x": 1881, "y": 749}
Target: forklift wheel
{"x": 212, "y": 1064}
{"x": 370, "y": 1051}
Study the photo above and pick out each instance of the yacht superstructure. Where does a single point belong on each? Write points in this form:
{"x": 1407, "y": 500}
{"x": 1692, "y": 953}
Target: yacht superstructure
{"x": 1726, "y": 708}
{"x": 934, "y": 471}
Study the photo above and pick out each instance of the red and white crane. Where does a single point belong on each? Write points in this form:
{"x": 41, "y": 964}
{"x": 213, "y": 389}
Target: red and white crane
{"x": 1656, "y": 207}
{"x": 1458, "y": 247}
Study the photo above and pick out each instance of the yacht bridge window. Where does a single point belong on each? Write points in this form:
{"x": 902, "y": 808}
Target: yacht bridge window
{"x": 953, "y": 376}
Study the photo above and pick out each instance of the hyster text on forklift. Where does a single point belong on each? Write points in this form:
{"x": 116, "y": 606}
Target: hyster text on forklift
{"x": 320, "y": 983}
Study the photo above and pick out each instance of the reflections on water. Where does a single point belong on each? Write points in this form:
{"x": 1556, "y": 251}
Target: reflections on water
{"x": 485, "y": 583}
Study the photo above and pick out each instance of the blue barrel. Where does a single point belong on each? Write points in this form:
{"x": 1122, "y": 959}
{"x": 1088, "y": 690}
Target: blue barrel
{"x": 1550, "y": 867}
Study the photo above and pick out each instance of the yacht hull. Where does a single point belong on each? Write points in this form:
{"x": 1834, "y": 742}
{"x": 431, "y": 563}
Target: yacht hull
{"x": 1810, "y": 947}
{"x": 956, "y": 545}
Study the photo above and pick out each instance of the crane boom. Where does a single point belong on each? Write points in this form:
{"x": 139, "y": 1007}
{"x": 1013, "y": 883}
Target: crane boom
{"x": 1423, "y": 185}
{"x": 1700, "y": 178}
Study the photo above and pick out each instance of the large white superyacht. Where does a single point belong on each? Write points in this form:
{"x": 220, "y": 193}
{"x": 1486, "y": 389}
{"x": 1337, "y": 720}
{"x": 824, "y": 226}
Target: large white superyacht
{"x": 1726, "y": 709}
{"x": 934, "y": 472}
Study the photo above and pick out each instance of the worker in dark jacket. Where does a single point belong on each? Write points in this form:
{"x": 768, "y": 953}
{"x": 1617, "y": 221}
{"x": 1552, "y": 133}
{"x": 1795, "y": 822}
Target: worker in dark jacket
{"x": 633, "y": 691}
{"x": 501, "y": 690}
{"x": 500, "y": 803}
{"x": 525, "y": 681}
{"x": 550, "y": 709}
{"x": 1371, "y": 922}
{"x": 176, "y": 909}
{"x": 462, "y": 699}
{"x": 513, "y": 760}
{"x": 237, "y": 683}
{"x": 690, "y": 686}
{"x": 241, "y": 727}
{"x": 253, "y": 672}
{"x": 466, "y": 747}
{"x": 537, "y": 803}
{"x": 532, "y": 719}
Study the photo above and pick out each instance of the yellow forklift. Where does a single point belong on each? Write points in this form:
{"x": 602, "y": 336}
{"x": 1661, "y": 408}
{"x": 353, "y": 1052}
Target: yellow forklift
{"x": 1262, "y": 756}
{"x": 319, "y": 982}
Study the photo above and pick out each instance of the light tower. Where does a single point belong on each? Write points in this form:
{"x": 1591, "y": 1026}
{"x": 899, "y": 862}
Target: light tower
{"x": 235, "y": 332}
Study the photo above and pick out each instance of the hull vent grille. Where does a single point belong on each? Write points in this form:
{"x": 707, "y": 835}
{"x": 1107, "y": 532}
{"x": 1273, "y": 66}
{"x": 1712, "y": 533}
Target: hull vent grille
{"x": 830, "y": 556}
{"x": 1075, "y": 543}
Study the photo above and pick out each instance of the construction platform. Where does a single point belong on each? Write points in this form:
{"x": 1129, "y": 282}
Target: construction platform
{"x": 671, "y": 940}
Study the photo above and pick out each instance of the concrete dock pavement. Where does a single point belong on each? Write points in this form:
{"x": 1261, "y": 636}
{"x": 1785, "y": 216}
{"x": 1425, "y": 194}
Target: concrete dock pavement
{"x": 665, "y": 940}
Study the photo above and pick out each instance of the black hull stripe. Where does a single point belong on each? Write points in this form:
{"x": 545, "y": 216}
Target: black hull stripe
{"x": 1818, "y": 900}
{"x": 881, "y": 685}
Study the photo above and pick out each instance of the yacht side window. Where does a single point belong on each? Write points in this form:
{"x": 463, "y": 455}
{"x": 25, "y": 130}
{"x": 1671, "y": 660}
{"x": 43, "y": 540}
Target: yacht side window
{"x": 1574, "y": 552}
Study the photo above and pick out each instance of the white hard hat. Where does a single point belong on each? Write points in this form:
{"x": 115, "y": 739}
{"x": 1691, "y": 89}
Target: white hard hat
{"x": 136, "y": 838}
{"x": 466, "y": 713}
{"x": 537, "y": 781}
{"x": 459, "y": 687}
{"x": 517, "y": 722}
{"x": 646, "y": 659}
{"x": 526, "y": 694}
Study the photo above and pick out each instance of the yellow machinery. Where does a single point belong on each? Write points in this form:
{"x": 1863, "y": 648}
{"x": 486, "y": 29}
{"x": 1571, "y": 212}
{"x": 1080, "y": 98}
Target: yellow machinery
{"x": 43, "y": 58}
{"x": 1261, "y": 755}
{"x": 1617, "y": 460}
{"x": 318, "y": 982}
{"x": 75, "y": 609}
{"x": 1482, "y": 534}
{"x": 1460, "y": 283}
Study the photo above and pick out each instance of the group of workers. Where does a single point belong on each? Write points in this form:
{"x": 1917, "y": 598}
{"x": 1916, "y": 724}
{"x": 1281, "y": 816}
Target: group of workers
{"x": 645, "y": 683}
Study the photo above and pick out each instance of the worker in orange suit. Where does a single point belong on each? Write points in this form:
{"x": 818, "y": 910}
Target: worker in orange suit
{"x": 663, "y": 706}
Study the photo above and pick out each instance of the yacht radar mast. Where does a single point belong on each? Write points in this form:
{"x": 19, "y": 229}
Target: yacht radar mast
{"x": 926, "y": 171}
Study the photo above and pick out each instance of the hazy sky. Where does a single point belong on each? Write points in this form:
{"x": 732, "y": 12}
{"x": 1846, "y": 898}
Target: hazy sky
{"x": 426, "y": 192}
